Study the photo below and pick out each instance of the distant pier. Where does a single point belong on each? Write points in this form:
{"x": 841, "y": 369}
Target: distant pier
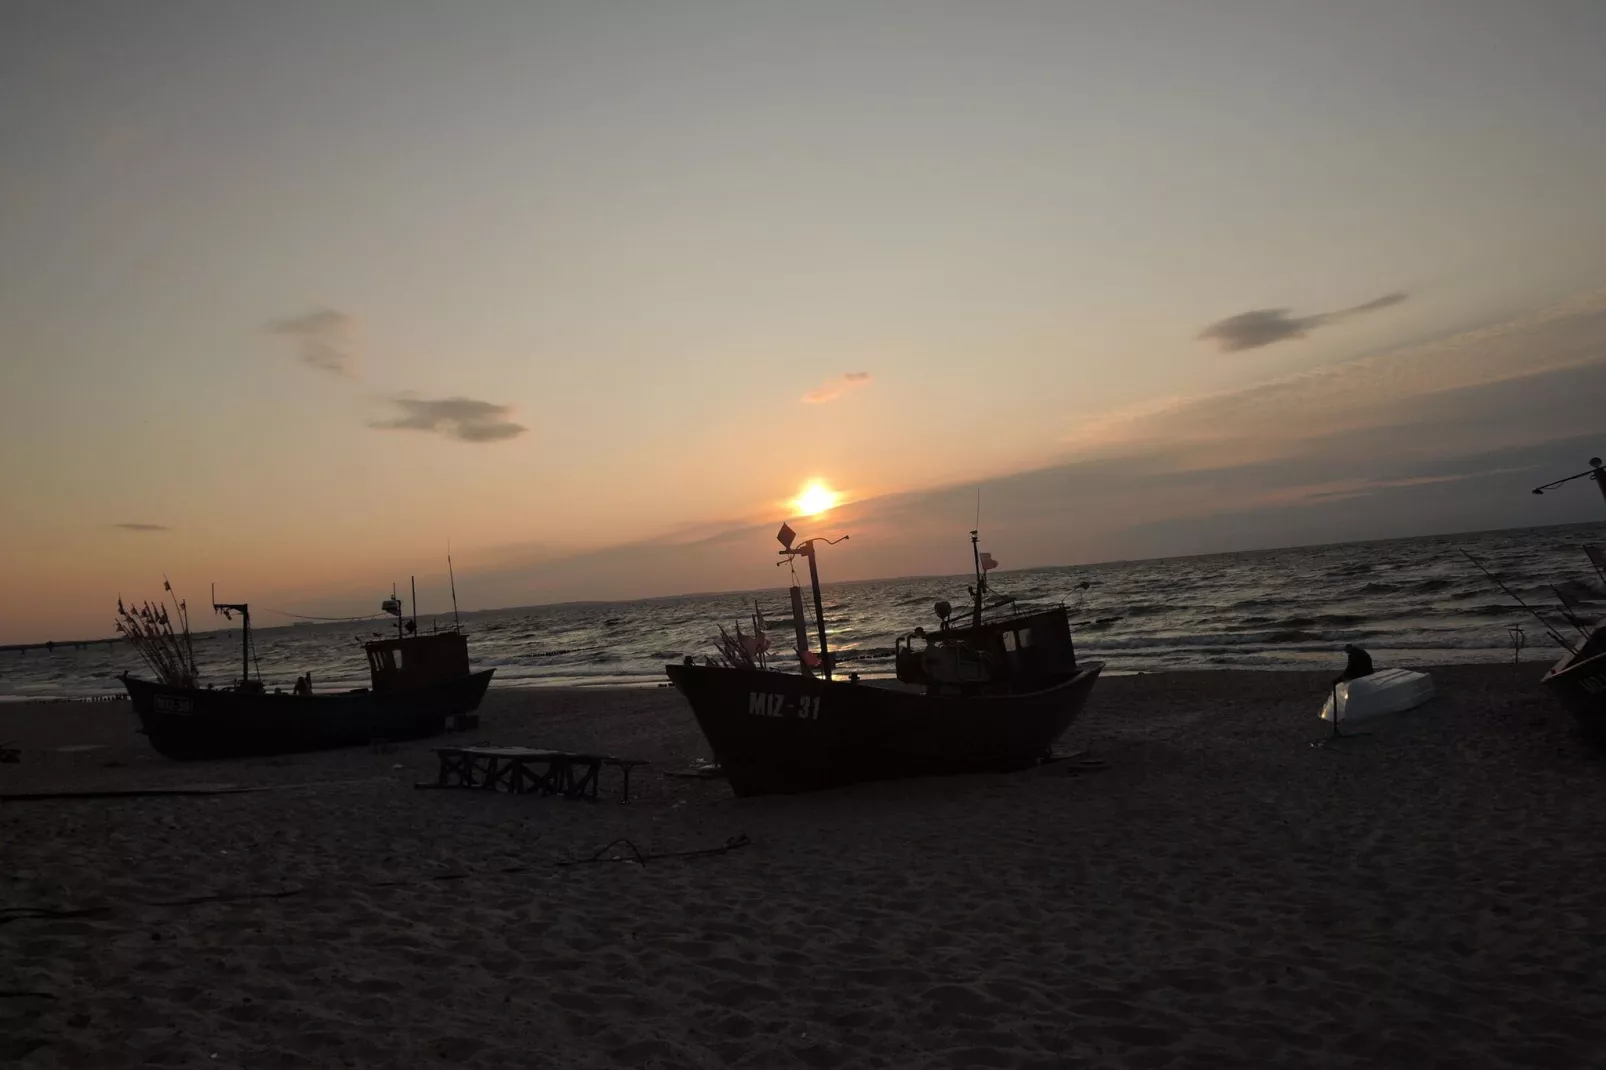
{"x": 52, "y": 646}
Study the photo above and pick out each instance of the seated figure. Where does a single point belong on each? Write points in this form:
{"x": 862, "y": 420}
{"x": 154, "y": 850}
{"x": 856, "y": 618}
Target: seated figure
{"x": 1360, "y": 664}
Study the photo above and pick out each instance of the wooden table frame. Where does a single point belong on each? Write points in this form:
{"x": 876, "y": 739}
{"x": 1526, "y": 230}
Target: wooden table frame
{"x": 523, "y": 771}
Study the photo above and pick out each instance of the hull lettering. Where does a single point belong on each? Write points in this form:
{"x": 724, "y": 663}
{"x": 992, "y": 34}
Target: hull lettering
{"x": 760, "y": 704}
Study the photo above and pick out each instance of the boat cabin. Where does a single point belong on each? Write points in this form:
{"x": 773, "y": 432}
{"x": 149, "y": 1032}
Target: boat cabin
{"x": 417, "y": 660}
{"x": 1024, "y": 652}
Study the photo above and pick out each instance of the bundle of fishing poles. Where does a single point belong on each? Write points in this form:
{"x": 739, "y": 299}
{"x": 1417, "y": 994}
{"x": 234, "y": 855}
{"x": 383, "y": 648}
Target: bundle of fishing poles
{"x": 170, "y": 654}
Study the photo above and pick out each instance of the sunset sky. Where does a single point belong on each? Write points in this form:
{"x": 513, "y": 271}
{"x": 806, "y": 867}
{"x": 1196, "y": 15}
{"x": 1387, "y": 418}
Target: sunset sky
{"x": 291, "y": 294}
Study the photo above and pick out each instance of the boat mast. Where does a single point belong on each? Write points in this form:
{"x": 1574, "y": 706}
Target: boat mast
{"x": 244, "y": 610}
{"x": 981, "y": 574}
{"x": 414, "y": 581}
{"x": 819, "y": 608}
{"x": 981, "y": 579}
{"x": 806, "y": 549}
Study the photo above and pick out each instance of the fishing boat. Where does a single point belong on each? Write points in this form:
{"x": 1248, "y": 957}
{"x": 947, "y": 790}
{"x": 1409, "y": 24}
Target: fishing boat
{"x": 417, "y": 682}
{"x": 1578, "y": 678}
{"x": 989, "y": 695}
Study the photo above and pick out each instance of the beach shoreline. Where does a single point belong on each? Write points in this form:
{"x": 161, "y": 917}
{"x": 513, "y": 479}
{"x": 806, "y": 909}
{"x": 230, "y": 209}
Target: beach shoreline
{"x": 1217, "y": 893}
{"x": 1536, "y": 661}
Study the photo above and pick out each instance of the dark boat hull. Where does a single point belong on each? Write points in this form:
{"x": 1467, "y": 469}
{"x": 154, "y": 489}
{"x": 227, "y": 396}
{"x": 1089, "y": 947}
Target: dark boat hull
{"x": 777, "y": 732}
{"x": 186, "y": 723}
{"x": 1579, "y": 681}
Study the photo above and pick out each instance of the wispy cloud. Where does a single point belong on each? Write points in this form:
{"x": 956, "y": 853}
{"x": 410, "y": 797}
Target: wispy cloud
{"x": 1357, "y": 487}
{"x": 835, "y": 388}
{"x": 322, "y": 339}
{"x": 1410, "y": 385}
{"x": 131, "y": 526}
{"x": 464, "y": 419}
{"x": 1265, "y": 326}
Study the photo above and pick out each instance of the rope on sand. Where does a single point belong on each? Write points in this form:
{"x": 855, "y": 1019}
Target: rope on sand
{"x": 120, "y": 793}
{"x": 739, "y": 840}
{"x": 46, "y": 913}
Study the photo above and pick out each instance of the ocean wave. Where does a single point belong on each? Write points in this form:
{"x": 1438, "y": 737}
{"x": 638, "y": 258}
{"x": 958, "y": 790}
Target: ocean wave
{"x": 1286, "y": 608}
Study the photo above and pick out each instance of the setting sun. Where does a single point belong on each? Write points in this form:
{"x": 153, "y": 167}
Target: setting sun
{"x": 816, "y": 498}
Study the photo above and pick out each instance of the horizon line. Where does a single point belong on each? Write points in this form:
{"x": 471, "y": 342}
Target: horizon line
{"x": 731, "y": 592}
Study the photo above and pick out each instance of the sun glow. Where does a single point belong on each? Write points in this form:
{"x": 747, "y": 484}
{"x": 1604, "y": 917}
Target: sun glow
{"x": 815, "y": 499}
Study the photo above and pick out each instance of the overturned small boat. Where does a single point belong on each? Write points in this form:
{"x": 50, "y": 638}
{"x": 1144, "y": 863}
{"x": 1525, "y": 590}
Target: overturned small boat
{"x": 418, "y": 681}
{"x": 1579, "y": 681}
{"x": 1578, "y": 678}
{"x": 1378, "y": 694}
{"x": 990, "y": 695}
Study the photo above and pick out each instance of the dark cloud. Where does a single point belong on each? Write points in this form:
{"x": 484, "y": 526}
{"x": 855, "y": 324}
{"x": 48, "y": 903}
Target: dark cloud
{"x": 322, "y": 339}
{"x": 131, "y": 526}
{"x": 835, "y": 388}
{"x": 1264, "y": 326}
{"x": 464, "y": 419}
{"x": 1386, "y": 301}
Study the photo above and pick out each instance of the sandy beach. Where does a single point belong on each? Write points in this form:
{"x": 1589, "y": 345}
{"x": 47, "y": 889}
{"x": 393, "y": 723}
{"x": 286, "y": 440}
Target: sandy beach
{"x": 1218, "y": 893}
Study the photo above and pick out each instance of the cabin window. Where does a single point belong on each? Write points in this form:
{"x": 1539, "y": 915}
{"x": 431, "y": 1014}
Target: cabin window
{"x": 1009, "y": 641}
{"x": 1025, "y": 637}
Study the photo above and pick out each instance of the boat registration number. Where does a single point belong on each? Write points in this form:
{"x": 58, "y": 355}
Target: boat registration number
{"x": 760, "y": 704}
{"x": 173, "y": 704}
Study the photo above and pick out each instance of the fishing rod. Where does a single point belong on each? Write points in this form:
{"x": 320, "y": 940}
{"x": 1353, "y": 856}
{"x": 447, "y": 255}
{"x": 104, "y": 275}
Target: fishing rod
{"x": 1596, "y": 472}
{"x": 1567, "y": 612}
{"x": 457, "y": 622}
{"x": 1543, "y": 623}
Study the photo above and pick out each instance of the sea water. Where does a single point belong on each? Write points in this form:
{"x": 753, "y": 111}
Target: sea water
{"x": 1408, "y": 601}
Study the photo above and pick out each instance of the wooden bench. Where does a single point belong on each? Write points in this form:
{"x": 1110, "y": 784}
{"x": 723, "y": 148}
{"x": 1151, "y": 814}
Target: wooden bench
{"x": 523, "y": 771}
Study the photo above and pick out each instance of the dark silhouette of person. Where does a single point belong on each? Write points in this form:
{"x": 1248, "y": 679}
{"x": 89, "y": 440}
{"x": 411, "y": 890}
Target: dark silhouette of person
{"x": 1360, "y": 664}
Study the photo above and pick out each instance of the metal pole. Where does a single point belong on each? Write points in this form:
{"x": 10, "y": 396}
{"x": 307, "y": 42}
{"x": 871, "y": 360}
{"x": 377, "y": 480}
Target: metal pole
{"x": 800, "y": 624}
{"x": 245, "y": 645}
{"x": 819, "y": 610}
{"x": 981, "y": 578}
